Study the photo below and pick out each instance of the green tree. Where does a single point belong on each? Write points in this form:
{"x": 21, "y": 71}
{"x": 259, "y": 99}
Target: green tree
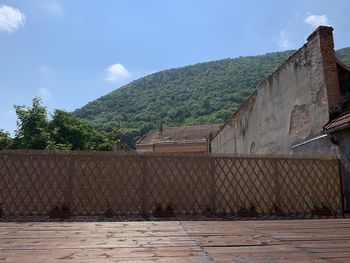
{"x": 32, "y": 126}
{"x": 5, "y": 140}
{"x": 70, "y": 133}
{"x": 62, "y": 132}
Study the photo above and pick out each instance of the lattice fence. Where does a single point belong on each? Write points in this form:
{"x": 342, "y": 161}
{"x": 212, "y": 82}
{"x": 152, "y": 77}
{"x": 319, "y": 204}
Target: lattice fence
{"x": 90, "y": 183}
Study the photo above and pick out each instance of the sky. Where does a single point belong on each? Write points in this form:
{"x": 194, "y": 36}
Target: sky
{"x": 70, "y": 52}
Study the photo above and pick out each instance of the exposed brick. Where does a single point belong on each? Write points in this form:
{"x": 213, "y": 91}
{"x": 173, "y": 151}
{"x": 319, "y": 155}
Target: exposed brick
{"x": 325, "y": 37}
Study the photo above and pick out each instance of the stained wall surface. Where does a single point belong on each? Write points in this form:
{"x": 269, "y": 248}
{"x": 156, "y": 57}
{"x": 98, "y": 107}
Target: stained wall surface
{"x": 289, "y": 107}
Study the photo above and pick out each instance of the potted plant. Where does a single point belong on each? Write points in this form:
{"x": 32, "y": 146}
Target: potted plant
{"x": 245, "y": 212}
{"x": 109, "y": 212}
{"x": 207, "y": 211}
{"x": 56, "y": 212}
{"x": 277, "y": 210}
{"x": 321, "y": 210}
{"x": 168, "y": 212}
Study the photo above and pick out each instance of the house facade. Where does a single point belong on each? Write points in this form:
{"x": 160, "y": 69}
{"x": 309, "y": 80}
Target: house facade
{"x": 183, "y": 139}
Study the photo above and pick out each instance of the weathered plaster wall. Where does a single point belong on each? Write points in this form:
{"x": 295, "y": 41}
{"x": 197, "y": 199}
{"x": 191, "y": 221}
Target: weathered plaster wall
{"x": 290, "y": 106}
{"x": 343, "y": 140}
{"x": 317, "y": 147}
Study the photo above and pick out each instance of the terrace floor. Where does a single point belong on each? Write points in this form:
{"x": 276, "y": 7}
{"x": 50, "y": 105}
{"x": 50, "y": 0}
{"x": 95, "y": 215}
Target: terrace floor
{"x": 300, "y": 241}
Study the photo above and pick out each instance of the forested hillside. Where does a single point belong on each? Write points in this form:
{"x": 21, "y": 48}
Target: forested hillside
{"x": 203, "y": 93}
{"x": 344, "y": 55}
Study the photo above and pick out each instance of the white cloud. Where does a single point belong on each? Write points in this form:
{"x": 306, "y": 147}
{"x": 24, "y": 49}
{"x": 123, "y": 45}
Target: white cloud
{"x": 54, "y": 7}
{"x": 10, "y": 18}
{"x": 317, "y": 20}
{"x": 44, "y": 93}
{"x": 116, "y": 72}
{"x": 283, "y": 40}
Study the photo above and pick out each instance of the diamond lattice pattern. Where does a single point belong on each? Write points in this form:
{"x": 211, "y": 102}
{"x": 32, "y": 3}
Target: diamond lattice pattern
{"x": 90, "y": 183}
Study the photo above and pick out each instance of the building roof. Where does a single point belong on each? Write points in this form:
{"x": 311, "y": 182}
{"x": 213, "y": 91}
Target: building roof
{"x": 180, "y": 134}
{"x": 341, "y": 122}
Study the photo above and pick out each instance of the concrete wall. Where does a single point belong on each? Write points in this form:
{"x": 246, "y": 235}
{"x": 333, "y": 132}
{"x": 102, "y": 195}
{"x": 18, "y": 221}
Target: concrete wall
{"x": 343, "y": 140}
{"x": 319, "y": 146}
{"x": 289, "y": 107}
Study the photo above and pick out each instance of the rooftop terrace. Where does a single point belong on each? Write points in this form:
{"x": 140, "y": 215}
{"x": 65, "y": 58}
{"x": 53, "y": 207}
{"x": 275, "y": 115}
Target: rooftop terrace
{"x": 318, "y": 240}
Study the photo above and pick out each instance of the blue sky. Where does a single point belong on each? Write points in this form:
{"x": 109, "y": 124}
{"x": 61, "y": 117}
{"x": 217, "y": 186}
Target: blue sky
{"x": 70, "y": 52}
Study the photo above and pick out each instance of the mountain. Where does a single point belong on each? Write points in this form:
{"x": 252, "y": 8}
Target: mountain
{"x": 204, "y": 93}
{"x": 344, "y": 55}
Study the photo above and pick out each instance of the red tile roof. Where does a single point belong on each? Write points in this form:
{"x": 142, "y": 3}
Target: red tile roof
{"x": 336, "y": 123}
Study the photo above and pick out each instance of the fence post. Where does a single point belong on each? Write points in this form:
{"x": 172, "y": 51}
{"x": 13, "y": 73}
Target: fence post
{"x": 68, "y": 192}
{"x": 277, "y": 199}
{"x": 341, "y": 187}
{"x": 211, "y": 162}
{"x": 144, "y": 178}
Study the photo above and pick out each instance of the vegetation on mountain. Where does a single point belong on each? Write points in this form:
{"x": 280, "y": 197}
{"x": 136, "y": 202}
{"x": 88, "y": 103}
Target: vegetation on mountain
{"x": 204, "y": 93}
{"x": 344, "y": 55}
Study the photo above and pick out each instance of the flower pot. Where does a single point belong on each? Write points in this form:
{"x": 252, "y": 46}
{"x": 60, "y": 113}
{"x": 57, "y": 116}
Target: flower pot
{"x": 164, "y": 213}
{"x": 59, "y": 214}
{"x": 279, "y": 213}
{"x": 247, "y": 213}
{"x": 207, "y": 213}
{"x": 321, "y": 212}
{"x": 109, "y": 213}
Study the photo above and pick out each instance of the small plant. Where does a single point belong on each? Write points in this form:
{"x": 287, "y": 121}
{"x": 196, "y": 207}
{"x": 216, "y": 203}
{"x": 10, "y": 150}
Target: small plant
{"x": 247, "y": 212}
{"x": 277, "y": 210}
{"x": 243, "y": 209}
{"x": 64, "y": 207}
{"x": 324, "y": 206}
{"x": 207, "y": 211}
{"x": 109, "y": 212}
{"x": 168, "y": 212}
{"x": 158, "y": 208}
{"x": 252, "y": 208}
{"x": 321, "y": 210}
{"x": 315, "y": 206}
{"x": 169, "y": 208}
{"x": 62, "y": 212}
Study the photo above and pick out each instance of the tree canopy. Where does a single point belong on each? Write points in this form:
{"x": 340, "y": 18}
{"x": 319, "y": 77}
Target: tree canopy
{"x": 63, "y": 131}
{"x": 71, "y": 133}
{"x": 32, "y": 127}
{"x": 5, "y": 140}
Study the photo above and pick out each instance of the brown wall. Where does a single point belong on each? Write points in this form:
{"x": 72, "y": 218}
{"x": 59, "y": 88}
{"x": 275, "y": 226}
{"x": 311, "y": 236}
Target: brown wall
{"x": 90, "y": 183}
